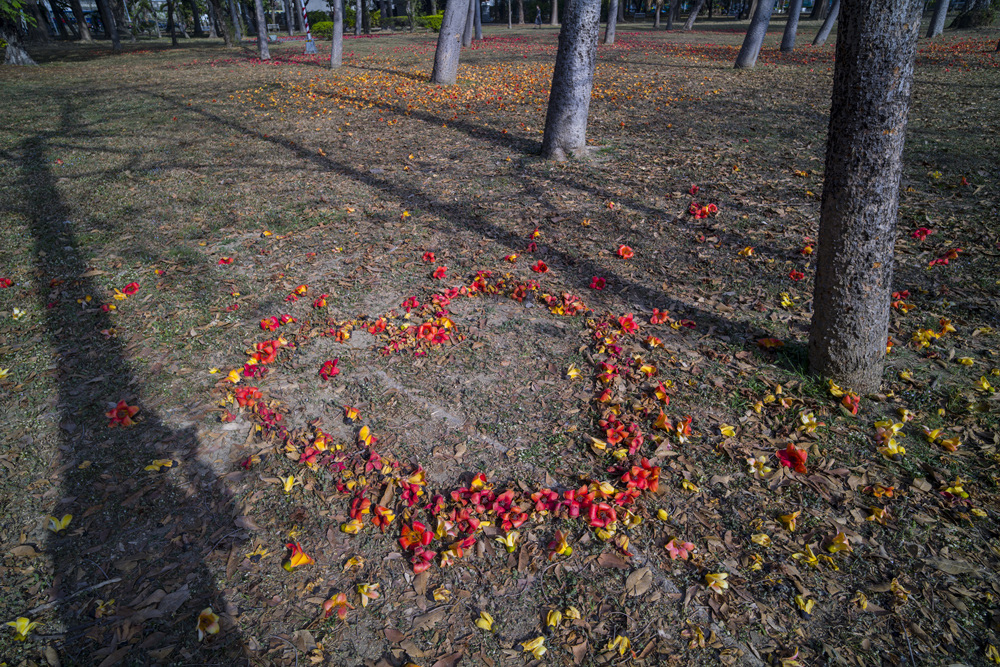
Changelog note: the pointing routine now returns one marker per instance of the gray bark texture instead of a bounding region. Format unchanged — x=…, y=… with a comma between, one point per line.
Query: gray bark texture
x=81, y=23
x=298, y=16
x=265, y=54
x=225, y=25
x=791, y=26
x=289, y=17
x=572, y=81
x=609, y=29
x=693, y=16
x=449, y=45
x=554, y=18
x=937, y=21
x=337, y=46
x=469, y=24
x=478, y=12
x=357, y=18
x=657, y=6
x=876, y=45
x=828, y=24
x=110, y=30
x=755, y=34
x=819, y=10
x=520, y=12
x=10, y=32
x=237, y=24
x=977, y=13
x=510, y=14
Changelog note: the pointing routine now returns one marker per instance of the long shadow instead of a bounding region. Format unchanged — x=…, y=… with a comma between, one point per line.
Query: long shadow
x=138, y=538
x=578, y=270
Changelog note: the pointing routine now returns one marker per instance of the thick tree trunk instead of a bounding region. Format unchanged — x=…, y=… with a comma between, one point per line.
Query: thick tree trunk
x=755, y=35
x=876, y=45
x=299, y=24
x=937, y=21
x=289, y=18
x=37, y=32
x=366, y=19
x=337, y=47
x=171, y=23
x=819, y=10
x=572, y=81
x=109, y=26
x=478, y=12
x=658, y=6
x=59, y=20
x=609, y=29
x=827, y=26
x=81, y=22
x=693, y=16
x=520, y=12
x=15, y=53
x=791, y=26
x=469, y=23
x=554, y=19
x=449, y=45
x=265, y=54
x=357, y=18
x=225, y=25
x=977, y=13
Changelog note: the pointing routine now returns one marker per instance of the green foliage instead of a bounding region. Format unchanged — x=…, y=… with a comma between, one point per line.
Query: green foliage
x=432, y=21
x=323, y=30
x=13, y=10
x=317, y=17
x=349, y=18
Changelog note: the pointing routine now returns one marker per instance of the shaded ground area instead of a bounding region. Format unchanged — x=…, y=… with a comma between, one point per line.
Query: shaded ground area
x=169, y=203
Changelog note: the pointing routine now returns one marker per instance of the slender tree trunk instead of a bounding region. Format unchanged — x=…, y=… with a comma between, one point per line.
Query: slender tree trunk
x=171, y=23
x=212, y=20
x=265, y=54
x=357, y=18
x=554, y=19
x=609, y=29
x=38, y=32
x=225, y=25
x=409, y=13
x=658, y=5
x=755, y=35
x=693, y=16
x=876, y=45
x=289, y=19
x=59, y=20
x=81, y=21
x=109, y=26
x=237, y=23
x=510, y=14
x=621, y=11
x=827, y=26
x=195, y=18
x=366, y=17
x=299, y=24
x=449, y=44
x=937, y=21
x=469, y=21
x=819, y=7
x=520, y=12
x=791, y=26
x=478, y=10
x=337, y=47
x=710, y=5
x=572, y=81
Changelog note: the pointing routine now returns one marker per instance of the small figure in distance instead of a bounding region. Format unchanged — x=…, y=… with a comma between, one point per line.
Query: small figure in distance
x=538, y=17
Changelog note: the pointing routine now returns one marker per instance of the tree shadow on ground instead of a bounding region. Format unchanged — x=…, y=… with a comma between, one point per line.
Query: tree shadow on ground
x=139, y=537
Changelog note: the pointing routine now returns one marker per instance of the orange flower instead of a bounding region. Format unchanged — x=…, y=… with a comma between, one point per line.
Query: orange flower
x=625, y=252
x=121, y=414
x=439, y=272
x=297, y=558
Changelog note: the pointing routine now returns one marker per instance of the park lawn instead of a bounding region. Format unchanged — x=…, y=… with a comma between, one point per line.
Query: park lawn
x=232, y=191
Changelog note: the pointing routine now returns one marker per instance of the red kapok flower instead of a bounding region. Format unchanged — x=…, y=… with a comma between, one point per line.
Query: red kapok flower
x=297, y=557
x=597, y=283
x=921, y=233
x=694, y=190
x=5, y=283
x=625, y=252
x=439, y=272
x=793, y=458
x=225, y=260
x=796, y=275
x=329, y=369
x=428, y=256
x=540, y=267
x=121, y=414
x=131, y=288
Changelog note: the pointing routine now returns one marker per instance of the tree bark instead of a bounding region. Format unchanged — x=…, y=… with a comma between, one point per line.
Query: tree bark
x=693, y=16
x=10, y=32
x=366, y=19
x=791, y=26
x=520, y=12
x=300, y=25
x=478, y=13
x=977, y=13
x=109, y=26
x=657, y=6
x=195, y=18
x=337, y=47
x=225, y=26
x=755, y=35
x=449, y=45
x=265, y=54
x=357, y=18
x=554, y=19
x=609, y=29
x=81, y=21
x=937, y=21
x=237, y=23
x=819, y=10
x=289, y=18
x=876, y=45
x=171, y=23
x=510, y=14
x=469, y=21
x=59, y=20
x=572, y=81
x=827, y=26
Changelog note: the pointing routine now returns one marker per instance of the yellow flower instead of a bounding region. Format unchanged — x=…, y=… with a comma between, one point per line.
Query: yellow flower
x=966, y=361
x=158, y=464
x=717, y=581
x=786, y=301
x=509, y=541
x=58, y=525
x=892, y=450
x=839, y=543
x=758, y=466
x=234, y=376
x=484, y=622
x=288, y=482
x=808, y=422
x=620, y=644
x=352, y=527
x=354, y=562
x=367, y=592
x=861, y=600
x=982, y=384
x=788, y=520
x=762, y=539
x=572, y=613
x=688, y=486
x=22, y=626
x=807, y=557
x=662, y=515
x=17, y=313
x=835, y=390
x=992, y=654
x=536, y=647
x=208, y=623
x=746, y=252
x=572, y=372
x=4, y=372
x=441, y=594
x=258, y=554
x=805, y=605
x=727, y=430
x=553, y=618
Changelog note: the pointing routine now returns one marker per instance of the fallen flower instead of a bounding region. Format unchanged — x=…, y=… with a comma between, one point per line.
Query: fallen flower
x=439, y=272
x=625, y=252
x=58, y=525
x=22, y=626
x=540, y=267
x=793, y=458
x=717, y=582
x=208, y=623
x=678, y=549
x=598, y=283
x=329, y=369
x=788, y=520
x=484, y=622
x=121, y=414
x=368, y=592
x=338, y=602
x=297, y=557
x=620, y=644
x=536, y=647
x=553, y=618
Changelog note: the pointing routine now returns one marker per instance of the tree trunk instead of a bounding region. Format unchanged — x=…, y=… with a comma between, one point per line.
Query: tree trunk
x=409, y=13
x=225, y=26
x=510, y=14
x=791, y=26
x=237, y=23
x=171, y=23
x=365, y=17
x=10, y=32
x=195, y=18
x=357, y=18
x=81, y=22
x=755, y=35
x=59, y=20
x=937, y=22
x=449, y=45
x=657, y=6
x=520, y=12
x=337, y=47
x=876, y=45
x=109, y=26
x=827, y=26
x=469, y=21
x=299, y=23
x=289, y=19
x=478, y=9
x=621, y=11
x=609, y=30
x=693, y=16
x=572, y=81
x=977, y=14
x=37, y=31
x=212, y=20
x=554, y=19
x=819, y=10
x=265, y=54
x=710, y=3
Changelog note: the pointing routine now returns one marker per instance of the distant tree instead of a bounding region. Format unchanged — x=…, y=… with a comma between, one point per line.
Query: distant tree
x=827, y=26
x=110, y=29
x=819, y=10
x=470, y=22
x=876, y=45
x=81, y=22
x=572, y=81
x=449, y=45
x=478, y=20
x=554, y=18
x=791, y=26
x=337, y=45
x=693, y=15
x=265, y=54
x=609, y=29
x=755, y=35
x=937, y=21
x=658, y=7
x=977, y=13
